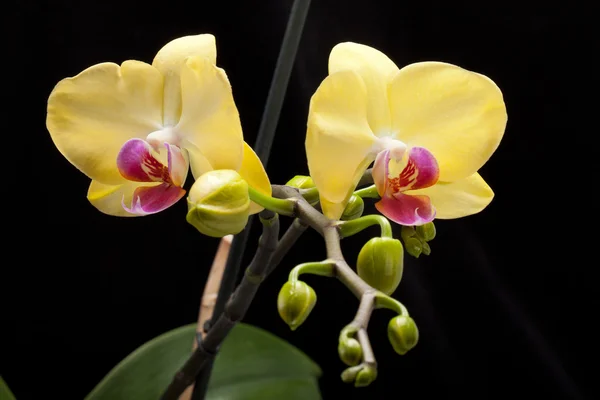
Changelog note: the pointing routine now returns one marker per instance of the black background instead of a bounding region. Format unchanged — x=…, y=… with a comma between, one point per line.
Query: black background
x=503, y=301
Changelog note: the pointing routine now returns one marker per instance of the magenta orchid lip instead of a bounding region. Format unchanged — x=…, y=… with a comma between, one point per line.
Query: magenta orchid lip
x=420, y=171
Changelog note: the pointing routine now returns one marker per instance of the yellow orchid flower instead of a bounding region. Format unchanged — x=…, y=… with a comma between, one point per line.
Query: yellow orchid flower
x=429, y=126
x=135, y=129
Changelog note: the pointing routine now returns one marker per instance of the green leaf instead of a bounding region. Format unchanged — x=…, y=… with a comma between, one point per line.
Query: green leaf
x=5, y=393
x=251, y=365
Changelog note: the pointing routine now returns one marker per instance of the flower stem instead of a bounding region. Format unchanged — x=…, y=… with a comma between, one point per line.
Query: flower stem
x=349, y=228
x=279, y=206
x=311, y=195
x=384, y=301
x=234, y=310
x=322, y=268
x=368, y=192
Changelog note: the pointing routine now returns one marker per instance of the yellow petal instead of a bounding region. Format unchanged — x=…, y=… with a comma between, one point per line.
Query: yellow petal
x=210, y=123
x=169, y=61
x=456, y=114
x=376, y=70
x=254, y=173
x=108, y=198
x=91, y=115
x=460, y=198
x=338, y=139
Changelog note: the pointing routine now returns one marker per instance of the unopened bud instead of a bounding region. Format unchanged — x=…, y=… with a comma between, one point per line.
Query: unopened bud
x=350, y=351
x=365, y=377
x=403, y=334
x=295, y=302
x=381, y=263
x=426, y=231
x=426, y=249
x=301, y=182
x=354, y=208
x=218, y=203
x=361, y=375
x=413, y=246
x=407, y=232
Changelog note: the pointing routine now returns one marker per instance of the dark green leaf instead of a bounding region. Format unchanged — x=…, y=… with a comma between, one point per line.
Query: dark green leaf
x=5, y=393
x=252, y=365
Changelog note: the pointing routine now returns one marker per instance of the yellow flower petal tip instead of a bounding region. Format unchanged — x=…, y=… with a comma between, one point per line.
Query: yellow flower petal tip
x=254, y=173
x=172, y=55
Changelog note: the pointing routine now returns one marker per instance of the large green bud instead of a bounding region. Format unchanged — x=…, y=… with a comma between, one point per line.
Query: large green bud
x=403, y=334
x=381, y=263
x=295, y=302
x=218, y=203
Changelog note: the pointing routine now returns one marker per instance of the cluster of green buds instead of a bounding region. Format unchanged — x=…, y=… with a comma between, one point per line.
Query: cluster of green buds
x=416, y=238
x=380, y=264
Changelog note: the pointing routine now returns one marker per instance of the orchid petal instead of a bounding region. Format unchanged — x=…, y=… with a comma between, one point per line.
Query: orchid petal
x=458, y=199
x=91, y=115
x=108, y=199
x=253, y=172
x=376, y=71
x=456, y=114
x=210, y=124
x=380, y=171
x=150, y=200
x=338, y=139
x=169, y=61
x=405, y=209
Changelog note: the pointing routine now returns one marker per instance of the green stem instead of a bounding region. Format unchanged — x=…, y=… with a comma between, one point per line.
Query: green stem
x=368, y=192
x=311, y=195
x=384, y=301
x=322, y=268
x=349, y=228
x=279, y=206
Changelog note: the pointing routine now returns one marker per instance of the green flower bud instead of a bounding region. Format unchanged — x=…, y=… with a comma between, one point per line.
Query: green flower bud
x=295, y=302
x=301, y=182
x=403, y=334
x=361, y=375
x=365, y=376
x=354, y=208
x=427, y=231
x=381, y=263
x=350, y=351
x=414, y=246
x=218, y=203
x=407, y=232
x=426, y=248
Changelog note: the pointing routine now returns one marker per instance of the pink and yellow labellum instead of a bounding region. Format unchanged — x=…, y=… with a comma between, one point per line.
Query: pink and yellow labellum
x=138, y=161
x=417, y=169
x=136, y=129
x=442, y=121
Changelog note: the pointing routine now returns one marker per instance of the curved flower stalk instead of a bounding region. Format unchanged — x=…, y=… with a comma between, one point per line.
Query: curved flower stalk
x=429, y=126
x=136, y=129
